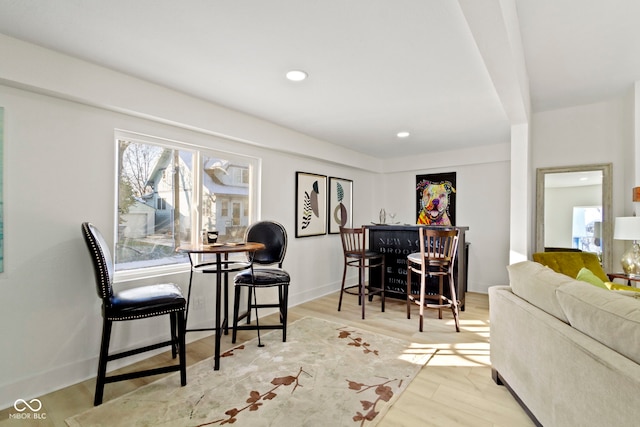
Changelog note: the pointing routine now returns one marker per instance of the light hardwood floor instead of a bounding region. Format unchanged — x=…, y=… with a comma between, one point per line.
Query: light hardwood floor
x=454, y=389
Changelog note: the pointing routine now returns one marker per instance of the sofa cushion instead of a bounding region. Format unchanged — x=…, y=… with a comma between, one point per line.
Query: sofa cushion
x=537, y=284
x=608, y=317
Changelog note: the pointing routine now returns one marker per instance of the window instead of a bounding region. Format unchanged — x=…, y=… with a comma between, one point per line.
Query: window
x=587, y=228
x=169, y=192
x=162, y=204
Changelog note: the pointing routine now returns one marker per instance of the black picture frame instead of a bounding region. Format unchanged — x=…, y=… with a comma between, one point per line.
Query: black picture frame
x=436, y=186
x=340, y=207
x=311, y=204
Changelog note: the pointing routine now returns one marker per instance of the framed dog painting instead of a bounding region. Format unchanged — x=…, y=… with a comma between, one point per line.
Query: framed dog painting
x=436, y=198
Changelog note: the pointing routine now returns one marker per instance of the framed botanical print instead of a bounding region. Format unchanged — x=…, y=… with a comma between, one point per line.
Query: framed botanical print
x=311, y=204
x=340, y=204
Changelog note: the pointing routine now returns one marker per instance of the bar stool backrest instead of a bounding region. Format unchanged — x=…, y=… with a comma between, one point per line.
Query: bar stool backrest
x=438, y=246
x=101, y=259
x=274, y=236
x=353, y=241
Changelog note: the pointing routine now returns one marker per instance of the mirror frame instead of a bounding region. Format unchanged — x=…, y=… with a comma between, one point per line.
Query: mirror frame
x=607, y=218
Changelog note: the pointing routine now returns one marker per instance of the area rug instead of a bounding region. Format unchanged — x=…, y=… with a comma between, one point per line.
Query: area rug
x=326, y=374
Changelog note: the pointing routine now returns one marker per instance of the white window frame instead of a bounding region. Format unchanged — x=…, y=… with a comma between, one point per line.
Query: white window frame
x=254, y=163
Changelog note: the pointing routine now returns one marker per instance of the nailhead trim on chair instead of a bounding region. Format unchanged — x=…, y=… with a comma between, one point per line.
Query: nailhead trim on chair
x=101, y=264
x=140, y=316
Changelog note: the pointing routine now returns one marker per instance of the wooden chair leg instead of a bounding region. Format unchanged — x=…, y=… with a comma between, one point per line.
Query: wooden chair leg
x=250, y=304
x=408, y=291
x=422, y=298
x=102, y=362
x=440, y=299
x=360, y=284
x=454, y=302
x=174, y=333
x=344, y=275
x=182, y=346
x=363, y=290
x=236, y=309
x=382, y=284
x=284, y=304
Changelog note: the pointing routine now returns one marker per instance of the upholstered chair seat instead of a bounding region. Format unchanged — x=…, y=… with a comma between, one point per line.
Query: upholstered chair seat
x=263, y=277
x=144, y=301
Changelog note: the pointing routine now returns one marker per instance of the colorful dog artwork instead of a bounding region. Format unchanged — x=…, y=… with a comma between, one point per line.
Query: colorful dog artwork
x=434, y=202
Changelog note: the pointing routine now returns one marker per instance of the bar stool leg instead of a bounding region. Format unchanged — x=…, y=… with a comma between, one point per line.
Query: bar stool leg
x=363, y=289
x=408, y=291
x=422, y=292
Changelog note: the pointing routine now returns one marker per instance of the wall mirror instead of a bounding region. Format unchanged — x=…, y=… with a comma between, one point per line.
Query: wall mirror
x=573, y=209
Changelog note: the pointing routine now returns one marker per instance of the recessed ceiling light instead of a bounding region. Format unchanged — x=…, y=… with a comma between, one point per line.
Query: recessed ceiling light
x=296, y=75
x=403, y=134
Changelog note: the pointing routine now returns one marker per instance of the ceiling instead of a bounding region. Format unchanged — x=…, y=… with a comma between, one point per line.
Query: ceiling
x=375, y=67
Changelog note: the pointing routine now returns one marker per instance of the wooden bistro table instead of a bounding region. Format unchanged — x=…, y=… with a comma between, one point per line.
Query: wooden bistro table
x=219, y=249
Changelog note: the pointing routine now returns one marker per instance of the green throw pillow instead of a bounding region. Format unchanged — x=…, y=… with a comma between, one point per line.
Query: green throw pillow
x=586, y=275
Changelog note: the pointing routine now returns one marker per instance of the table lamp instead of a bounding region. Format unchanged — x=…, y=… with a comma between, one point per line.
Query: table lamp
x=628, y=228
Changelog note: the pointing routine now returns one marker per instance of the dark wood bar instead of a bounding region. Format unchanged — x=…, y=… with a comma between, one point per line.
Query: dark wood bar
x=398, y=241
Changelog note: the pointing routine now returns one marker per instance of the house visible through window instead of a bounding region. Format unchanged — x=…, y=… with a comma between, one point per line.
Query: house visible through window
x=169, y=192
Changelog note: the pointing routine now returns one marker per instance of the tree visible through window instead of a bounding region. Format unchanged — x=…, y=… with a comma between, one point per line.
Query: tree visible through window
x=158, y=208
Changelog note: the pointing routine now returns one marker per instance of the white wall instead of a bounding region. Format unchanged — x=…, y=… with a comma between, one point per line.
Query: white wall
x=596, y=133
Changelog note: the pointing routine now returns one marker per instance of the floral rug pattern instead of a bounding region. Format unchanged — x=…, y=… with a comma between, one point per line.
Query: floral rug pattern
x=325, y=374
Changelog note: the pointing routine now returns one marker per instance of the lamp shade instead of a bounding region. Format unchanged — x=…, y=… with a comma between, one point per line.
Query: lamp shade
x=627, y=228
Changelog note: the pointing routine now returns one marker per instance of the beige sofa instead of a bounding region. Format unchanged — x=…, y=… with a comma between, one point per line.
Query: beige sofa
x=569, y=351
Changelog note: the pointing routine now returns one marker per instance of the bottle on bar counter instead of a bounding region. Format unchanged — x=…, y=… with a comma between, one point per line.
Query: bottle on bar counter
x=383, y=216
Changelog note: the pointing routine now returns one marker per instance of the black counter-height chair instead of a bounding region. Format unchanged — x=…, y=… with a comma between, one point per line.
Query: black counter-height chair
x=356, y=254
x=263, y=273
x=132, y=304
x=438, y=250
